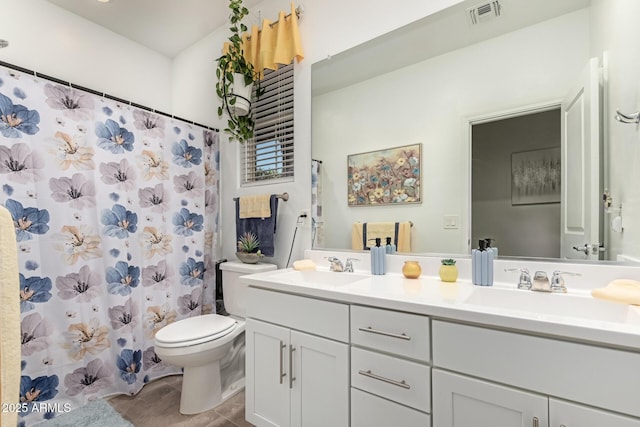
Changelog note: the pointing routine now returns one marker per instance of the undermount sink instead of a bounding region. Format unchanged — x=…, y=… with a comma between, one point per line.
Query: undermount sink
x=552, y=304
x=319, y=277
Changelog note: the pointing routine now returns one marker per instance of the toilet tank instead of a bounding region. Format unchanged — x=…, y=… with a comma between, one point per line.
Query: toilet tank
x=233, y=291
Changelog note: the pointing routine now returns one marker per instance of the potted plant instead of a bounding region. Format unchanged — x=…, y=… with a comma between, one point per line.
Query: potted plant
x=236, y=77
x=448, y=270
x=249, y=248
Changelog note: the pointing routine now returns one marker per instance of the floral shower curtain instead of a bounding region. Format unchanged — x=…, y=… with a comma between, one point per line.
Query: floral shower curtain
x=115, y=210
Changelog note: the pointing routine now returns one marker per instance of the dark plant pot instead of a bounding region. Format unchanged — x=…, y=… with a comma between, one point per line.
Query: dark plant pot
x=249, y=258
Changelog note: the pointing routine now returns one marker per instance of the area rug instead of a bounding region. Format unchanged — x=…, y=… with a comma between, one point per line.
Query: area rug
x=97, y=413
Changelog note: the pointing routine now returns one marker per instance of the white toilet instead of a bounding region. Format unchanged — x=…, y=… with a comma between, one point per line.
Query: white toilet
x=211, y=347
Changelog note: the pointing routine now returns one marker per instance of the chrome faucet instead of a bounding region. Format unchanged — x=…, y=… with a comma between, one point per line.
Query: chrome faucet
x=349, y=265
x=524, y=282
x=541, y=282
x=337, y=266
x=557, y=281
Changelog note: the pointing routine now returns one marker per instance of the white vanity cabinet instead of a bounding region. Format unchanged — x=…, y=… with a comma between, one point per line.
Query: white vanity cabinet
x=512, y=379
x=567, y=414
x=460, y=401
x=390, y=372
x=297, y=361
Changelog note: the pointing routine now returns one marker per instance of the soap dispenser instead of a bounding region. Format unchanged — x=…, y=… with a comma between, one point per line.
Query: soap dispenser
x=491, y=247
x=390, y=248
x=476, y=263
x=489, y=266
x=378, y=258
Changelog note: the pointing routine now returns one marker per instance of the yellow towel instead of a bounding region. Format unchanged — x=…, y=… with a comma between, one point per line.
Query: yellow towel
x=404, y=237
x=623, y=291
x=10, y=319
x=382, y=230
x=255, y=206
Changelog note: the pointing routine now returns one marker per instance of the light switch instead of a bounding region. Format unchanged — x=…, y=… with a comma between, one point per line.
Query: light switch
x=451, y=222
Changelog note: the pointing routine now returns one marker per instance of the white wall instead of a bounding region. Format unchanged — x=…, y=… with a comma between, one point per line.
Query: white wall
x=615, y=23
x=194, y=97
x=48, y=39
x=428, y=103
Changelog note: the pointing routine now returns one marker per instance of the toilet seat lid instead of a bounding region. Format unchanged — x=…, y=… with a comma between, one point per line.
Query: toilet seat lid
x=202, y=328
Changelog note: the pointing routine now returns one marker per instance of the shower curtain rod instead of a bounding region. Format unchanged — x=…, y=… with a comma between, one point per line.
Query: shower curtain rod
x=299, y=11
x=98, y=93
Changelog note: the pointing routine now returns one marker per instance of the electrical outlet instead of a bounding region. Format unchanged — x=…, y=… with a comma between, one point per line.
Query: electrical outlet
x=304, y=218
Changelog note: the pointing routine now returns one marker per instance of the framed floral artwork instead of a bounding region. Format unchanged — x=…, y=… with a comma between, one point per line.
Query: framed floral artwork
x=385, y=177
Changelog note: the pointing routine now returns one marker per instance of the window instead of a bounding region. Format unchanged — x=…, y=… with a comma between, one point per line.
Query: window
x=269, y=155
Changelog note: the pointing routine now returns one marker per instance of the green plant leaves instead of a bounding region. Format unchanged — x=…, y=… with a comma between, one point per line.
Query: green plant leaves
x=239, y=128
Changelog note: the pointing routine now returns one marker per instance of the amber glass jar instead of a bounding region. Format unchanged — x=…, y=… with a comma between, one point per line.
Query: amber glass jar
x=411, y=269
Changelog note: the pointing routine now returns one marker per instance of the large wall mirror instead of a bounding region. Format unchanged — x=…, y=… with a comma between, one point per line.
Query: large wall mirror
x=482, y=99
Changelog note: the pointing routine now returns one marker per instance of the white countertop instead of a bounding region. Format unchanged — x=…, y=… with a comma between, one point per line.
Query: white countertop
x=429, y=296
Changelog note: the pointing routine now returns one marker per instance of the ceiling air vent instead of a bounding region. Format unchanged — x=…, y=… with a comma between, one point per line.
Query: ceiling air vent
x=484, y=11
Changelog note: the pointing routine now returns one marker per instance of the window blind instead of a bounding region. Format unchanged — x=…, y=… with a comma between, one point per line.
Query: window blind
x=269, y=155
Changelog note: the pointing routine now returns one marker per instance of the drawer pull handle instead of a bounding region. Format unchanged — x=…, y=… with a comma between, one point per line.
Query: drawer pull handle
x=282, y=373
x=369, y=329
x=536, y=422
x=384, y=379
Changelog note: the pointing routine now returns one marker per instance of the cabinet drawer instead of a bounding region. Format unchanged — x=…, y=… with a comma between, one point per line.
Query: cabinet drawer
x=569, y=414
x=390, y=377
x=391, y=331
x=318, y=317
x=598, y=376
x=368, y=410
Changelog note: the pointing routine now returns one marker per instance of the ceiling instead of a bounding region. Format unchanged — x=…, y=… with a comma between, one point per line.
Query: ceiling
x=165, y=26
x=428, y=37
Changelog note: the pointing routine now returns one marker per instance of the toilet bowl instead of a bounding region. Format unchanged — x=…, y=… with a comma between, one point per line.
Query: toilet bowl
x=206, y=346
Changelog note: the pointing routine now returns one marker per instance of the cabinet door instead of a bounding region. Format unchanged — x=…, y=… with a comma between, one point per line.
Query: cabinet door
x=267, y=375
x=460, y=401
x=320, y=383
x=565, y=414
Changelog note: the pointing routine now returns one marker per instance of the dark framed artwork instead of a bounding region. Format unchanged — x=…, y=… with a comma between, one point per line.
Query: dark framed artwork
x=535, y=176
x=385, y=177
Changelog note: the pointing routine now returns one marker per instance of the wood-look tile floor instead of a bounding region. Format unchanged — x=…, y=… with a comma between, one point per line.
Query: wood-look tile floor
x=158, y=403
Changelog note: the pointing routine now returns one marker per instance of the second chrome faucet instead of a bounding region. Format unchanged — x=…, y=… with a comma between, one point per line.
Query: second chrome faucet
x=337, y=266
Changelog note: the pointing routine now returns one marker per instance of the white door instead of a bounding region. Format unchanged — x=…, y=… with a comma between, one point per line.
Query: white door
x=320, y=382
x=267, y=374
x=460, y=401
x=581, y=186
x=566, y=414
